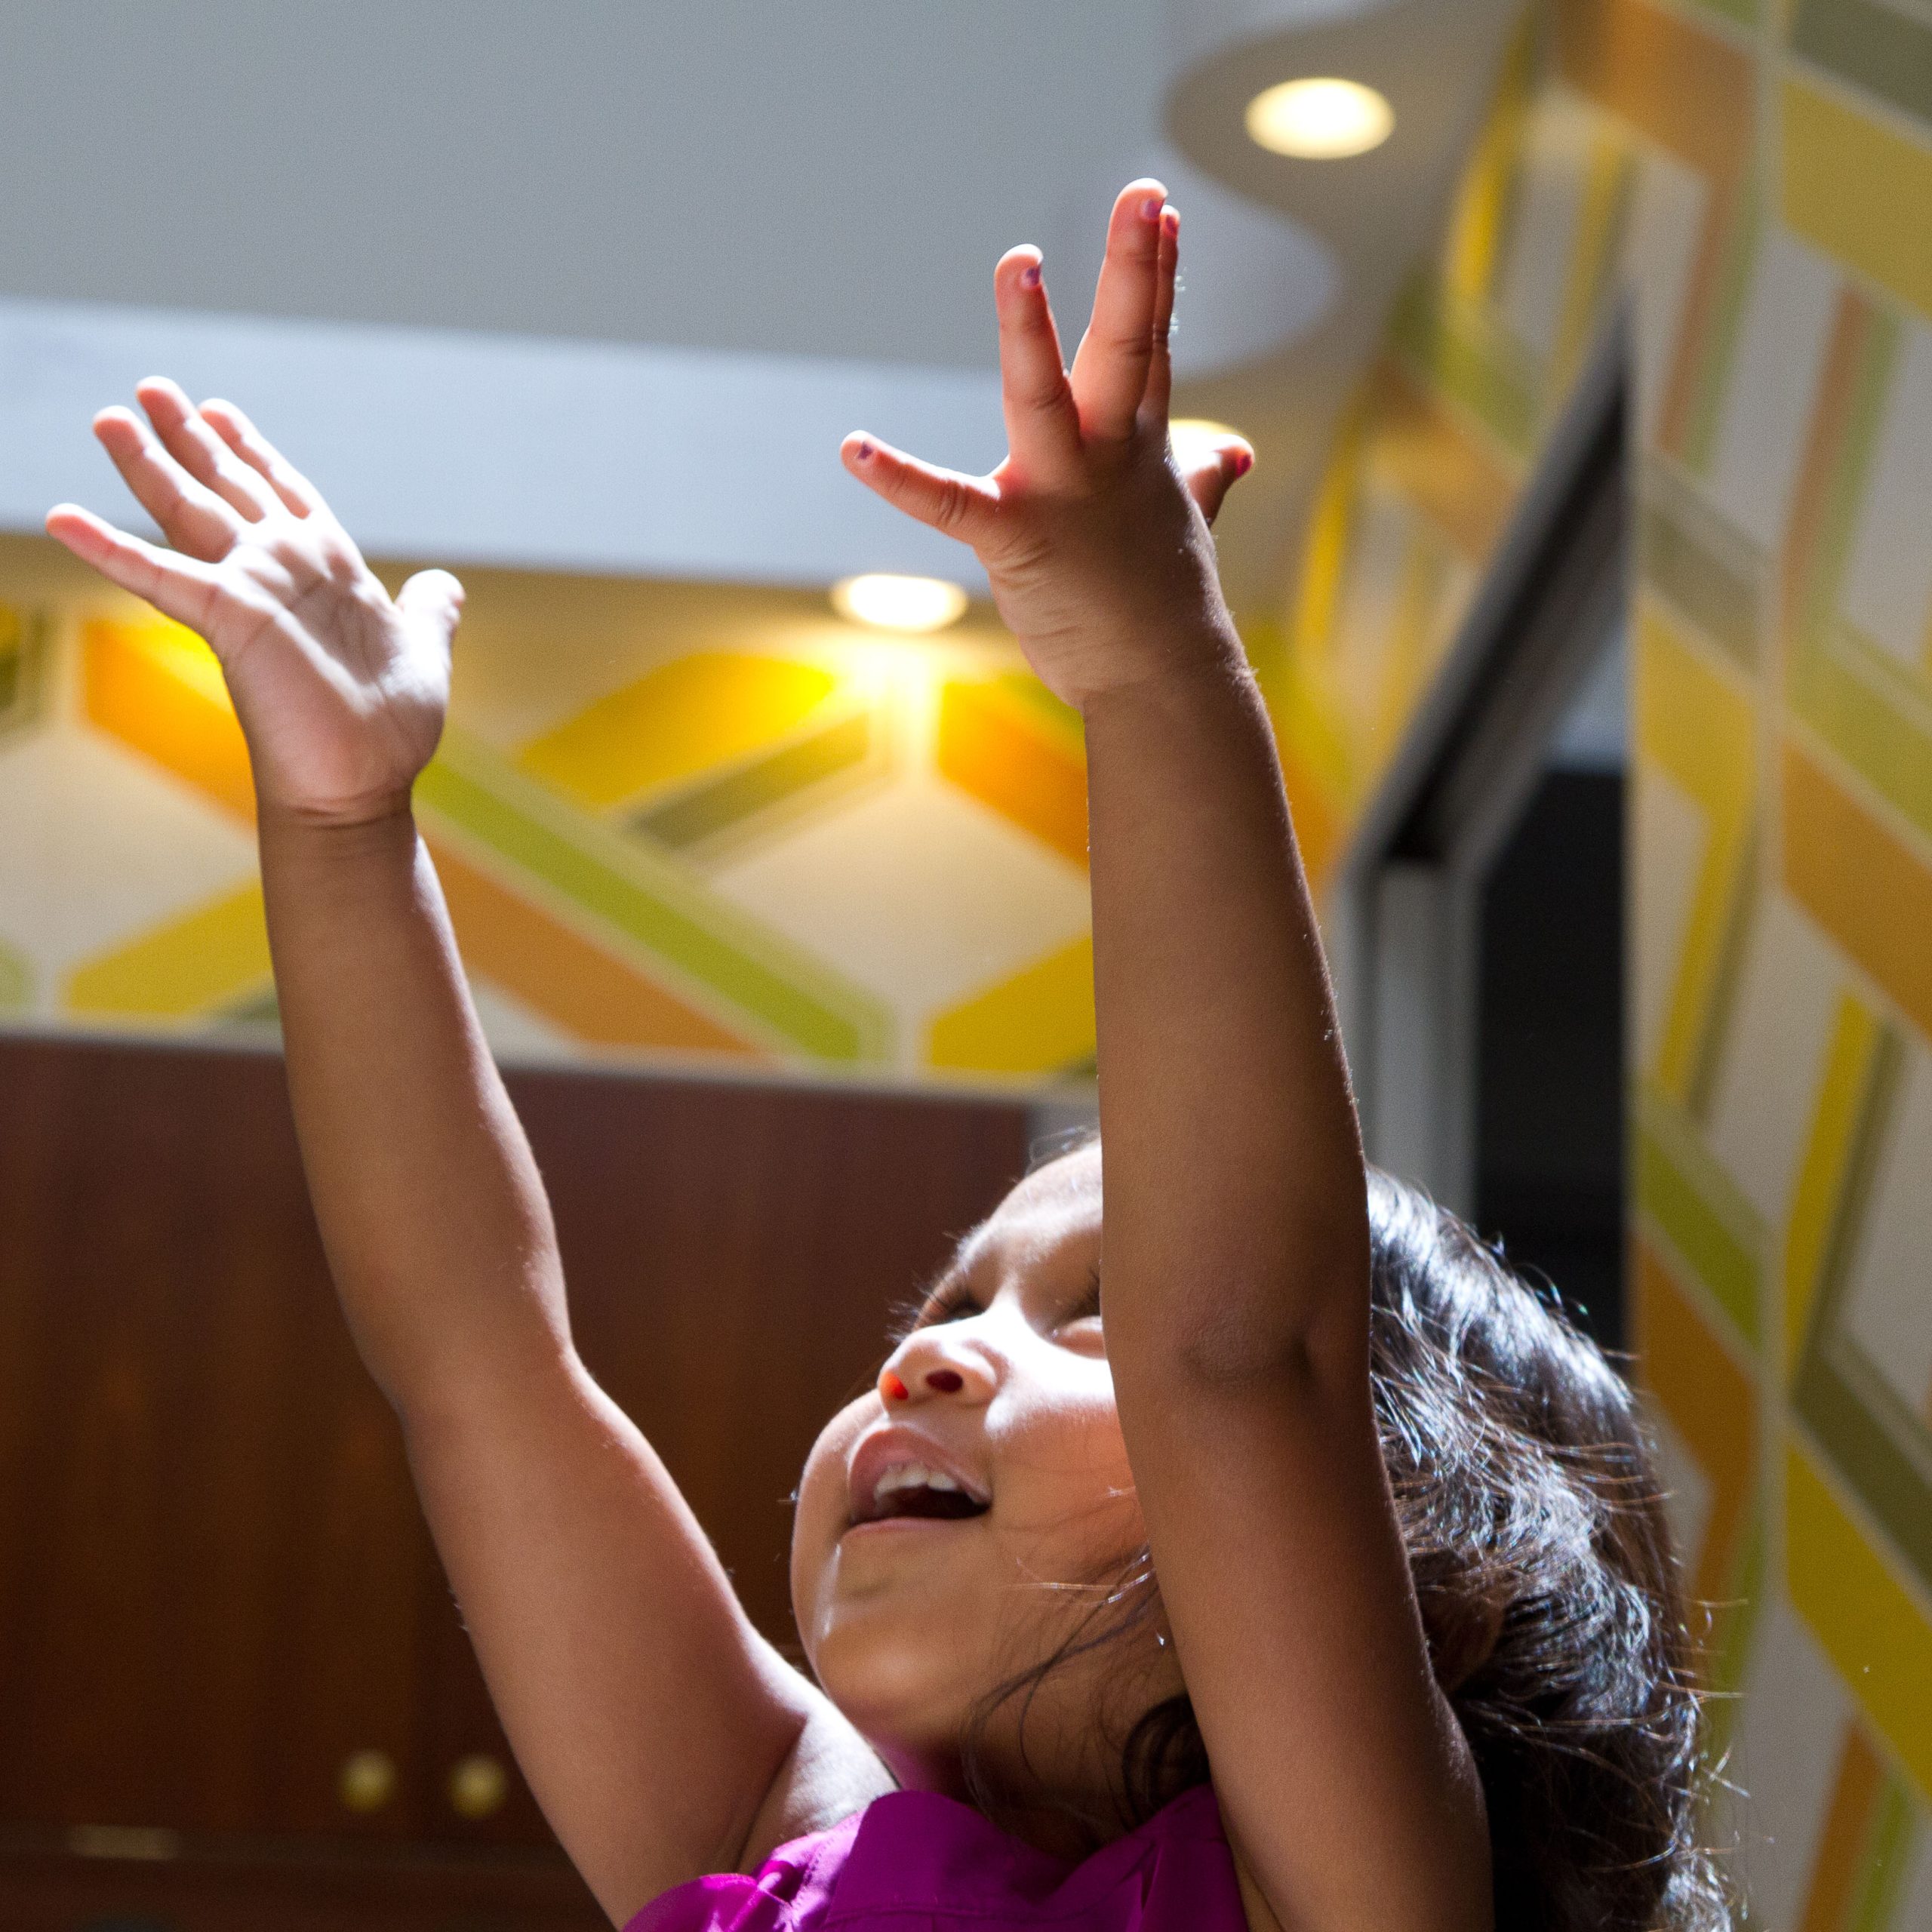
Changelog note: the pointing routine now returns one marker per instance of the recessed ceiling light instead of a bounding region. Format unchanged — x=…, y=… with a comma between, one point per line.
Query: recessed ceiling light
x=1192, y=435
x=900, y=603
x=1319, y=120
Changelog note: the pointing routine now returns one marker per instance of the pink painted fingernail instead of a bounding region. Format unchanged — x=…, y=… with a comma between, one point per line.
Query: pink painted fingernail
x=1029, y=276
x=1243, y=462
x=1152, y=207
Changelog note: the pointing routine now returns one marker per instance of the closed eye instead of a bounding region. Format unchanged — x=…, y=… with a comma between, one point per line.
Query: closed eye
x=952, y=1303
x=1087, y=1307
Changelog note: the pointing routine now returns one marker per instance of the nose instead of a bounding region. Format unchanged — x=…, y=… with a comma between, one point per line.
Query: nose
x=928, y=1364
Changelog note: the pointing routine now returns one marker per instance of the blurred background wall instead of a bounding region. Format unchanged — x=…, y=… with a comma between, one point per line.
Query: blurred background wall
x=692, y=820
x=1751, y=188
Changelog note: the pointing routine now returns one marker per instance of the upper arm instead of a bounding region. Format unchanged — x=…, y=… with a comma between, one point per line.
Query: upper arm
x=654, y=1723
x=1347, y=1786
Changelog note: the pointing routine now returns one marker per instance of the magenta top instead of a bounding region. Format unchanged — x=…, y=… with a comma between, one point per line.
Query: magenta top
x=914, y=1862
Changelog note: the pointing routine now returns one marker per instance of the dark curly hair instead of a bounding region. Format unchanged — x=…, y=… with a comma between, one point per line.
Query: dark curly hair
x=1537, y=1540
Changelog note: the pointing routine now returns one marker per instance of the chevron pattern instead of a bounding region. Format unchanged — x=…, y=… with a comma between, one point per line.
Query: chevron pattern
x=1756, y=181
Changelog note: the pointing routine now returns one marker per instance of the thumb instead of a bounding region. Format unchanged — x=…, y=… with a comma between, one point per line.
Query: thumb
x=1210, y=478
x=432, y=599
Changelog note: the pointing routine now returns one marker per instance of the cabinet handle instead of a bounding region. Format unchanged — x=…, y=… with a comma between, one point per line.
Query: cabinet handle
x=478, y=1785
x=367, y=1780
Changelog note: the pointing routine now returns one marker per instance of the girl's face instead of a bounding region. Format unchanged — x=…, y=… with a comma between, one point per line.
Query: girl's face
x=950, y=1536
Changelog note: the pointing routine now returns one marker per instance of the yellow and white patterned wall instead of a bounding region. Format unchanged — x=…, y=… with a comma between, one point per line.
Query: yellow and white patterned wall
x=1755, y=178
x=678, y=824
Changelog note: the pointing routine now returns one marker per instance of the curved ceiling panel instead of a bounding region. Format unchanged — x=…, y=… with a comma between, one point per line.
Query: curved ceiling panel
x=1197, y=28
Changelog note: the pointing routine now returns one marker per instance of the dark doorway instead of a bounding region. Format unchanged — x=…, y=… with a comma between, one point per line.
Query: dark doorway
x=1549, y=1046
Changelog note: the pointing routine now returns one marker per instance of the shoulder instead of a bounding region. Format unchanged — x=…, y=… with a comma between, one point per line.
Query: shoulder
x=917, y=1852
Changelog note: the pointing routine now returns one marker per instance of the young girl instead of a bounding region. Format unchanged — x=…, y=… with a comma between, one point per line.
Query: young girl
x=1264, y=1555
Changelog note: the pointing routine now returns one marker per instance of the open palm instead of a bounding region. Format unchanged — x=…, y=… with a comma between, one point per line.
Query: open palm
x=340, y=689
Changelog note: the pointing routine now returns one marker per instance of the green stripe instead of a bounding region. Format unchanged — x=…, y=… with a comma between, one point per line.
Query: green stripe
x=23, y=661
x=1736, y=1629
x=1875, y=47
x=1686, y=563
x=650, y=903
x=1701, y=1214
x=1461, y=351
x=1715, y=355
x=716, y=806
x=1818, y=599
x=1062, y=722
x=1840, y=692
x=1878, y=1444
x=1741, y=13
x=1859, y=1419
x=15, y=981
x=1888, y=1850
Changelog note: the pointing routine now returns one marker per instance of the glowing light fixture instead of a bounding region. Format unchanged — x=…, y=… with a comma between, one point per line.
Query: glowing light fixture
x=1319, y=119
x=912, y=603
x=1194, y=436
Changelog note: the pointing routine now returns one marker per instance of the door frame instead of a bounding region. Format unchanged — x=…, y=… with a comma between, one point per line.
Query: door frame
x=1405, y=914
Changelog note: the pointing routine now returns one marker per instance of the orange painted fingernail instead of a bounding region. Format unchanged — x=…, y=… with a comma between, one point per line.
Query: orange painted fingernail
x=895, y=1390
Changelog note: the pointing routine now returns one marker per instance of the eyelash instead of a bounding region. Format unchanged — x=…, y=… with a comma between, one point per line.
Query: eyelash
x=957, y=1304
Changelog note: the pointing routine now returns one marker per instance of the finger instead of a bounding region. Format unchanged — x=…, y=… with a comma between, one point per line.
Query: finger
x=1210, y=479
x=960, y=505
x=432, y=599
x=200, y=451
x=1160, y=361
x=179, y=587
x=1110, y=372
x=192, y=517
x=1042, y=426
x=298, y=494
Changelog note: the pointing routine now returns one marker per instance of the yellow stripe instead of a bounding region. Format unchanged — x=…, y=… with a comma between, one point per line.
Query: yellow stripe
x=1878, y=1638
x=1325, y=555
x=1821, y=1173
x=1482, y=203
x=1039, y=1021
x=1859, y=191
x=1606, y=181
x=1697, y=726
x=685, y=718
x=210, y=957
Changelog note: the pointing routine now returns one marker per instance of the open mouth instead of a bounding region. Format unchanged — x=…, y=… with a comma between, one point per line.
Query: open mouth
x=914, y=1490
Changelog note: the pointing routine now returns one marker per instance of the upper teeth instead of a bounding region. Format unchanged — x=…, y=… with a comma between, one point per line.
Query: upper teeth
x=912, y=1475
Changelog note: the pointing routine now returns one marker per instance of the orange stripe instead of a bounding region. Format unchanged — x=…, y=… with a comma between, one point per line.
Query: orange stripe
x=1860, y=881
x=187, y=726
x=985, y=749
x=1711, y=1403
x=1693, y=329
x=581, y=987
x=1841, y=1844
x=1687, y=90
x=1830, y=418
x=1445, y=473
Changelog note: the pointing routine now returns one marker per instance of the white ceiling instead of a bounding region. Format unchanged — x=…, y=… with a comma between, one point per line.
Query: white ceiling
x=751, y=176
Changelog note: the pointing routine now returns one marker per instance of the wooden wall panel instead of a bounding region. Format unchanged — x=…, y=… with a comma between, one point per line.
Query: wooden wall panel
x=214, y=1583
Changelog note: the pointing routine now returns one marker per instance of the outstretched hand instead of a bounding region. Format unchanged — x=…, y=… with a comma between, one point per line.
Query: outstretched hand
x=340, y=689
x=1096, y=543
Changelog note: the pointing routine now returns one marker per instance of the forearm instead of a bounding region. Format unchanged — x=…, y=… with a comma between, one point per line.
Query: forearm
x=1236, y=1223
x=430, y=1206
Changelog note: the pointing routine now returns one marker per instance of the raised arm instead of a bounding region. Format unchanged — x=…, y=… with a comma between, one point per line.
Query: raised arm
x=1235, y=1240
x=650, y=1719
